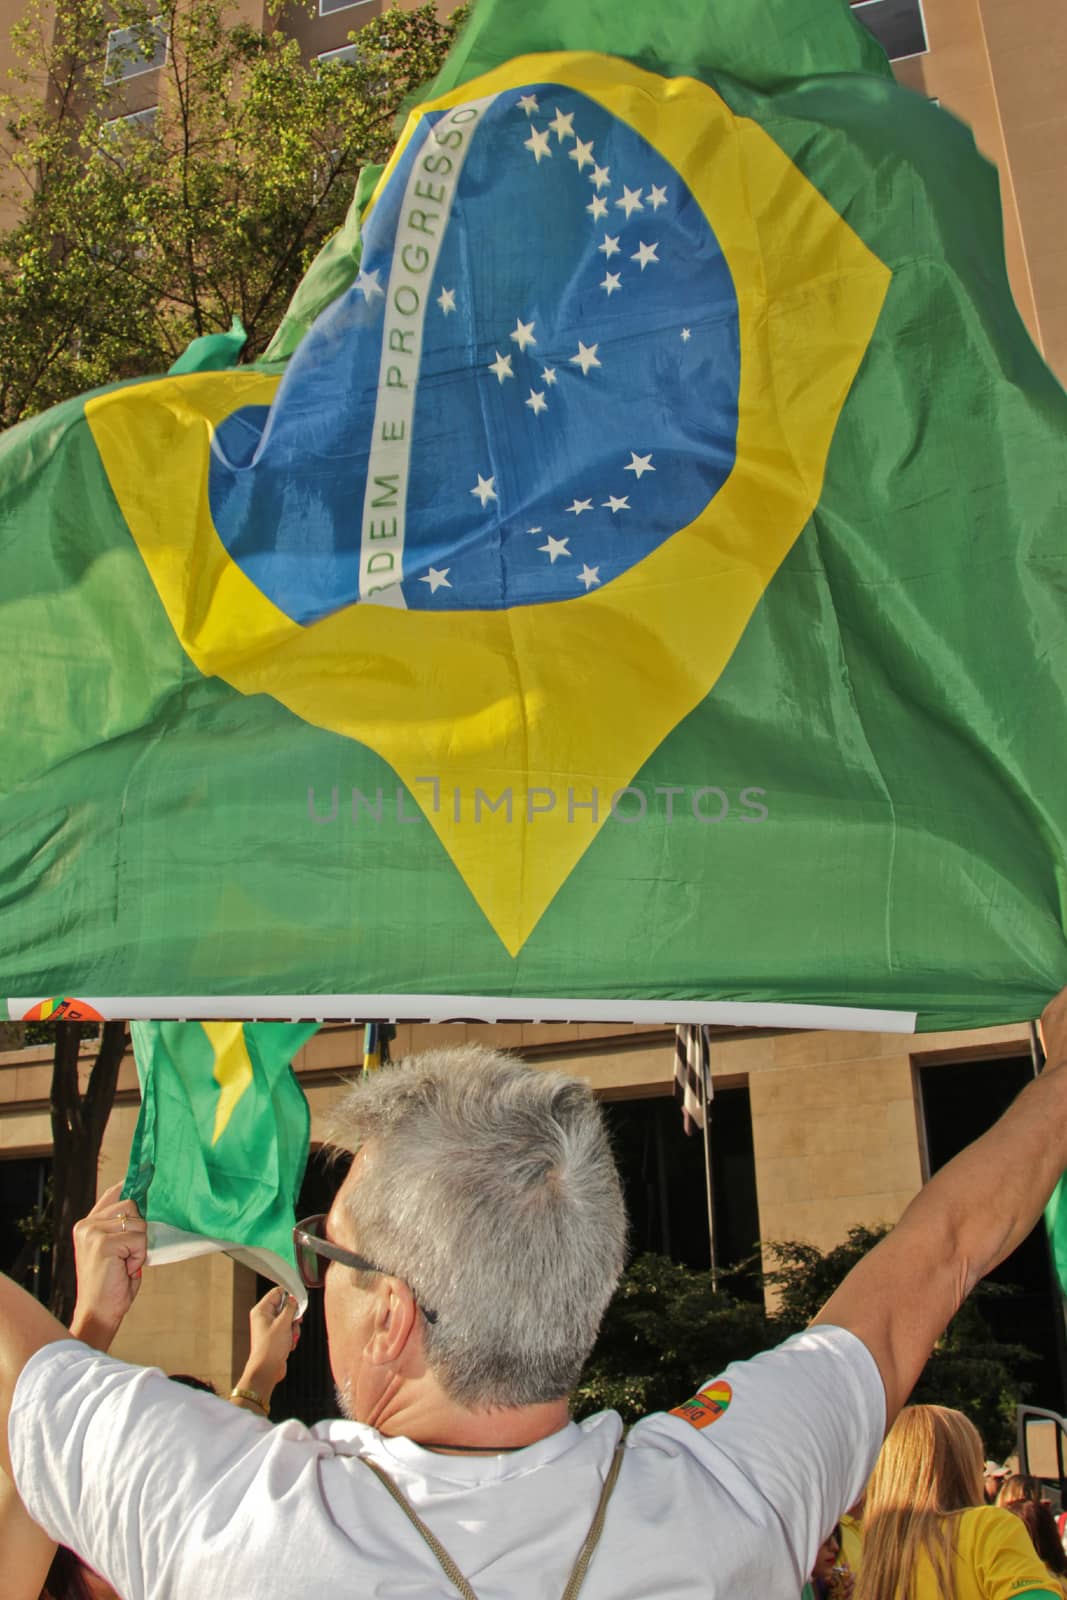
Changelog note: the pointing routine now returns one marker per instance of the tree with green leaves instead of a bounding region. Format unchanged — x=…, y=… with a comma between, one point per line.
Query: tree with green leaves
x=82, y=1095
x=969, y=1369
x=665, y=1332
x=141, y=231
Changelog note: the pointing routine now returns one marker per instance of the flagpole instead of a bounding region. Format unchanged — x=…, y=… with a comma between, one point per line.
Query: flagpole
x=704, y=1070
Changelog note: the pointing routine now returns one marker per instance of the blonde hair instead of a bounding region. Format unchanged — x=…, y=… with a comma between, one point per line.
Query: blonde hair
x=928, y=1471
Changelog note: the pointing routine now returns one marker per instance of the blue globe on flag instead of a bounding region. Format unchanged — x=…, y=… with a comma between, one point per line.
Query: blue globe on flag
x=532, y=384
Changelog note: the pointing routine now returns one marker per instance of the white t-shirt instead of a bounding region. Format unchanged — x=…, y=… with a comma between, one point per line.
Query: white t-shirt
x=176, y=1495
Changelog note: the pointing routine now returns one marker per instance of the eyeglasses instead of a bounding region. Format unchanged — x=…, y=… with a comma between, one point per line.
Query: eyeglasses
x=314, y=1252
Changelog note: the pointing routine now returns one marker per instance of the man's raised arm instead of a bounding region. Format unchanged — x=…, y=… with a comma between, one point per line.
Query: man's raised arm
x=901, y=1296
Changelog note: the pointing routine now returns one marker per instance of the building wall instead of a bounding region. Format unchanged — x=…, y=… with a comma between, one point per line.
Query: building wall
x=957, y=71
x=11, y=12
x=1027, y=47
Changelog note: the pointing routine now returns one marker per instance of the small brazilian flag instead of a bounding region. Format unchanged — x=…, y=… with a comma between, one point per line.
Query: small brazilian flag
x=221, y=1142
x=635, y=580
x=1056, y=1227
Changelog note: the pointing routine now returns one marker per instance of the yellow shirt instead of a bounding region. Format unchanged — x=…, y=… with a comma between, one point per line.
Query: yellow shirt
x=851, y=1542
x=994, y=1560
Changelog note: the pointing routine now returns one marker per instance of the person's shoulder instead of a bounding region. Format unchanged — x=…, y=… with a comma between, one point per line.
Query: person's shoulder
x=985, y=1518
x=822, y=1355
x=988, y=1530
x=63, y=1360
x=987, y=1522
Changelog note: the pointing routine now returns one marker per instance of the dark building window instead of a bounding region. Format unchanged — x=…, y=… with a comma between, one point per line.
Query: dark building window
x=327, y=7
x=960, y=1101
x=663, y=1176
x=131, y=51
x=117, y=128
x=22, y=1194
x=896, y=24
x=346, y=56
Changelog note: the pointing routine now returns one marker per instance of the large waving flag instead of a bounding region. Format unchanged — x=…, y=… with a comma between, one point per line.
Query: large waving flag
x=638, y=592
x=221, y=1142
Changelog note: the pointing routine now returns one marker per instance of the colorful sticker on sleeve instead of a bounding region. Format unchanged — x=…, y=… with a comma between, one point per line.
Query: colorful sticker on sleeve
x=706, y=1405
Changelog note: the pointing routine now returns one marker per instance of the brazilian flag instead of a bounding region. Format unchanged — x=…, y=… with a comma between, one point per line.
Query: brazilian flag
x=633, y=586
x=221, y=1142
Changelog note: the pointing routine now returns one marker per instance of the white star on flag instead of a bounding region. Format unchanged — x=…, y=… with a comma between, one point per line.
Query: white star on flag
x=484, y=490
x=616, y=502
x=639, y=465
x=548, y=375
x=686, y=335
x=657, y=197
x=502, y=367
x=528, y=102
x=554, y=548
x=586, y=357
x=597, y=208
x=437, y=579
x=582, y=153
x=579, y=506
x=537, y=144
x=644, y=254
x=563, y=126
x=631, y=201
x=600, y=177
x=610, y=246
x=368, y=285
x=611, y=283
x=589, y=575
x=537, y=402
x=523, y=333
x=447, y=300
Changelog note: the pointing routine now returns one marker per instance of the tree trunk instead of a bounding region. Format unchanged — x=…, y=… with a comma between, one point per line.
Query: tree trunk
x=78, y=1123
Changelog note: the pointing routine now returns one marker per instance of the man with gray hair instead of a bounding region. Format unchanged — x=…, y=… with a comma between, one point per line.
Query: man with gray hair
x=466, y=1262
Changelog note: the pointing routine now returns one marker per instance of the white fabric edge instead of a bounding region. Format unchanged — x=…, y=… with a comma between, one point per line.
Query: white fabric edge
x=167, y=1244
x=487, y=1008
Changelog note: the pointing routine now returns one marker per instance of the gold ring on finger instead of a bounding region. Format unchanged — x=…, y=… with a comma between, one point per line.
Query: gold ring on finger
x=122, y=1220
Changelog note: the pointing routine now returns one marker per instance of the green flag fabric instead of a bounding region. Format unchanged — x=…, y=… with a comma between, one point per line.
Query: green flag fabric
x=221, y=1142
x=213, y=352
x=1056, y=1227
x=633, y=588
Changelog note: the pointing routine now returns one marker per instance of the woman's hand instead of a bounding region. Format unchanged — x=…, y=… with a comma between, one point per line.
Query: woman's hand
x=273, y=1338
x=110, y=1246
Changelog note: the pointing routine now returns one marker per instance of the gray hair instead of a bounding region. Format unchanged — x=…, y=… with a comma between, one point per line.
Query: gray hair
x=493, y=1192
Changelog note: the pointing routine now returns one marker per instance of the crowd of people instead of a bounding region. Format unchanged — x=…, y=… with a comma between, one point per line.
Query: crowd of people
x=465, y=1264
x=936, y=1521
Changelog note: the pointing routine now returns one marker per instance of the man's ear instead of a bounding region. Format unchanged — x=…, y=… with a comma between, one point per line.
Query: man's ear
x=395, y=1315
